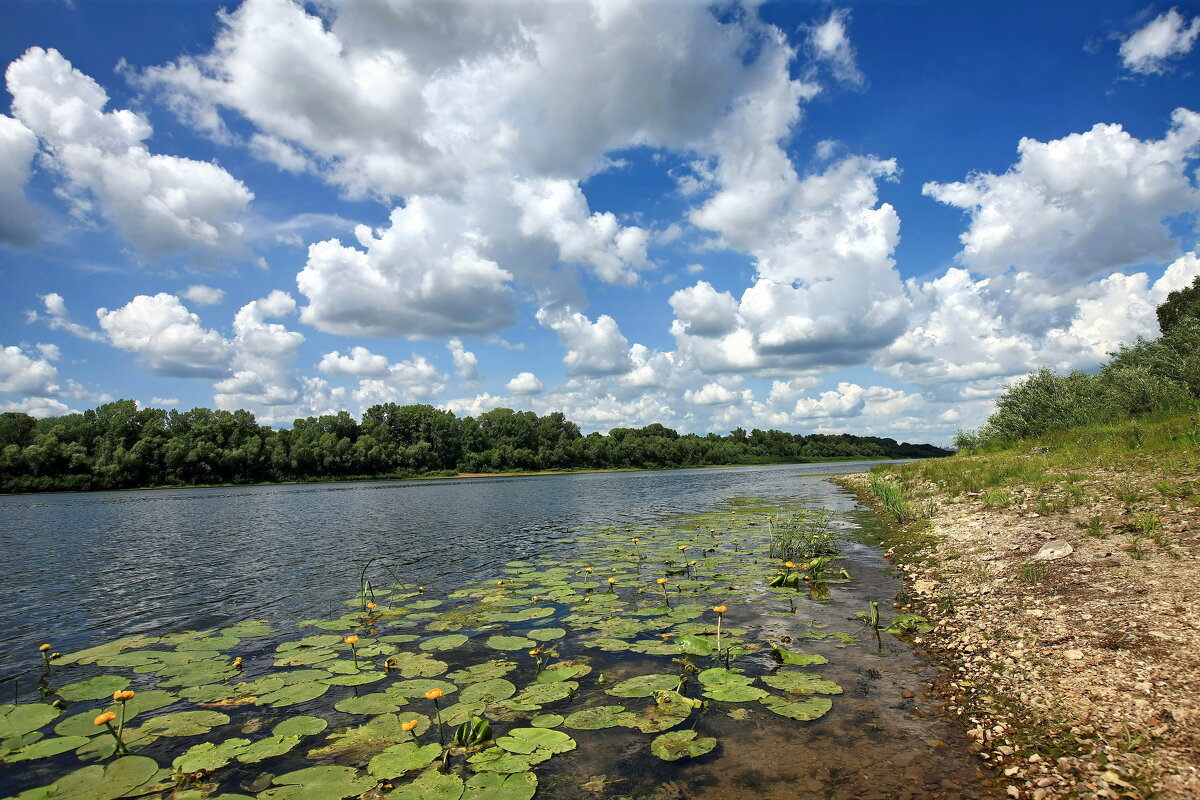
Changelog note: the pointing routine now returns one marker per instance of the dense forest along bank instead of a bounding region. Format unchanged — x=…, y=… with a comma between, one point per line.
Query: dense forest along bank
x=1061, y=576
x=649, y=635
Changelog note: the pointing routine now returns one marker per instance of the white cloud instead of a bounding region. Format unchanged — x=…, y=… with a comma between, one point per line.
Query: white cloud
x=1167, y=36
x=50, y=352
x=593, y=348
x=357, y=361
x=716, y=394
x=423, y=276
x=279, y=153
x=162, y=204
x=168, y=339
x=164, y=402
x=703, y=311
x=58, y=318
x=829, y=42
x=524, y=383
x=409, y=381
x=1081, y=206
x=22, y=374
x=18, y=146
x=263, y=374
x=203, y=295
x=466, y=363
x=40, y=407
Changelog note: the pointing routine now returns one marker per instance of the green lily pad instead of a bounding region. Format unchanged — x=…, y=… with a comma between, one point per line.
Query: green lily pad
x=370, y=737
x=416, y=688
x=540, y=694
x=555, y=674
x=496, y=759
x=489, y=691
x=269, y=747
x=502, y=642
x=546, y=634
x=730, y=687
x=448, y=642
x=318, y=783
x=546, y=721
x=248, y=629
x=119, y=779
x=785, y=656
x=681, y=744
x=293, y=694
x=375, y=703
x=403, y=757
x=694, y=645
x=643, y=685
x=496, y=668
x=210, y=643
x=184, y=723
x=430, y=785
x=802, y=683
x=495, y=786
x=419, y=665
x=300, y=725
x=669, y=709
x=305, y=657
x=806, y=709
x=45, y=748
x=357, y=678
x=597, y=718
x=209, y=755
x=19, y=720
x=94, y=688
x=316, y=640
x=526, y=740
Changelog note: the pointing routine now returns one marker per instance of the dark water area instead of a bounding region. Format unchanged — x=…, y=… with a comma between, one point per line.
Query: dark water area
x=85, y=569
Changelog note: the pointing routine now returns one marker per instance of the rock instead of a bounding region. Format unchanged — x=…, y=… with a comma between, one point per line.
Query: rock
x=1054, y=550
x=1073, y=655
x=924, y=586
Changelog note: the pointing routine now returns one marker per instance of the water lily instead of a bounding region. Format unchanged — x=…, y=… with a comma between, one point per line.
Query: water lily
x=352, y=640
x=720, y=616
x=410, y=726
x=106, y=719
x=663, y=583
x=46, y=657
x=434, y=694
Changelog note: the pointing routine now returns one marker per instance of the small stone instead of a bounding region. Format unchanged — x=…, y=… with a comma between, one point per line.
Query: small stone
x=1054, y=550
x=1073, y=655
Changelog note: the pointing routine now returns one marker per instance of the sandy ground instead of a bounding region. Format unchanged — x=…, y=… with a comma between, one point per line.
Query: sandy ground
x=1076, y=675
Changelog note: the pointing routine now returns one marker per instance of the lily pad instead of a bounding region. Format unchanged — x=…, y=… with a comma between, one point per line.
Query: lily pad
x=416, y=688
x=681, y=744
x=403, y=757
x=370, y=737
x=527, y=740
x=210, y=756
x=448, y=642
x=730, y=687
x=184, y=723
x=803, y=710
x=496, y=668
x=546, y=634
x=489, y=691
x=540, y=694
x=94, y=688
x=785, y=656
x=802, y=683
x=669, y=709
x=546, y=721
x=319, y=783
x=300, y=725
x=502, y=642
x=643, y=685
x=496, y=759
x=119, y=779
x=19, y=720
x=430, y=785
x=357, y=678
x=694, y=645
x=45, y=748
x=419, y=665
x=597, y=718
x=294, y=693
x=270, y=747
x=494, y=786
x=375, y=703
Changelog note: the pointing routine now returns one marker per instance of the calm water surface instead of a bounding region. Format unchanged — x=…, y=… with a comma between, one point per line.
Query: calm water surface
x=87, y=568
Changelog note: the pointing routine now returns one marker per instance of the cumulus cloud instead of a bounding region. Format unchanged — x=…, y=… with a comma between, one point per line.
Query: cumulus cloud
x=167, y=337
x=829, y=42
x=23, y=374
x=40, y=407
x=524, y=383
x=593, y=348
x=357, y=361
x=161, y=204
x=18, y=218
x=203, y=295
x=263, y=353
x=716, y=394
x=1079, y=207
x=58, y=318
x=466, y=363
x=703, y=311
x=1149, y=49
x=414, y=380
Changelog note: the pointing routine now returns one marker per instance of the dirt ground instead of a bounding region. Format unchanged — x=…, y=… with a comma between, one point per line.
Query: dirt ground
x=1076, y=672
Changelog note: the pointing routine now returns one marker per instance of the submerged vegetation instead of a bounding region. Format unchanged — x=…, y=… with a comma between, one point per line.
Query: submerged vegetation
x=119, y=445
x=412, y=693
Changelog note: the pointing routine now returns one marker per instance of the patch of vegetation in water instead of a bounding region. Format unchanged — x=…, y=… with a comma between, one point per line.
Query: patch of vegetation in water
x=467, y=694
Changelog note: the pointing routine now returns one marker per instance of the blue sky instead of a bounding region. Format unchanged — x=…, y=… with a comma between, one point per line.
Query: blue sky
x=807, y=216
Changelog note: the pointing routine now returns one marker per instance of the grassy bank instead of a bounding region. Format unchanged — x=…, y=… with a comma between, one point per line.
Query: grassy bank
x=1061, y=573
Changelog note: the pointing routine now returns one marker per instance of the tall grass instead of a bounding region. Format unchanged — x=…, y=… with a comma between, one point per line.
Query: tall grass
x=891, y=494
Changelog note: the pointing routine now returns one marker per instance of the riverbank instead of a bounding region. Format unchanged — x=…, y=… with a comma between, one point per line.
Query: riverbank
x=1062, y=580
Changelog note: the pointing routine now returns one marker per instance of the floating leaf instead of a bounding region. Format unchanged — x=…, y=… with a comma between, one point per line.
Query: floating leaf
x=597, y=718
x=357, y=679
x=494, y=786
x=546, y=721
x=681, y=744
x=448, y=642
x=802, y=683
x=496, y=759
x=430, y=785
x=546, y=634
x=119, y=779
x=319, y=783
x=248, y=629
x=419, y=665
x=210, y=643
x=46, y=748
x=94, y=688
x=489, y=691
x=369, y=737
x=643, y=685
x=809, y=708
x=300, y=725
x=669, y=709
x=305, y=657
x=270, y=747
x=295, y=693
x=501, y=642
x=729, y=687
x=496, y=668
x=694, y=645
x=541, y=693
x=19, y=720
x=404, y=757
x=785, y=656
x=418, y=687
x=526, y=740
x=375, y=703
x=209, y=756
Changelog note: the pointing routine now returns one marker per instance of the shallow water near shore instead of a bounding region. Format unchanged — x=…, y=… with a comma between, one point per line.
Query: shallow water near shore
x=154, y=564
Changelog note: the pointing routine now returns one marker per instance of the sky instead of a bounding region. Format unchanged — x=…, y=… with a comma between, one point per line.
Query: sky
x=814, y=217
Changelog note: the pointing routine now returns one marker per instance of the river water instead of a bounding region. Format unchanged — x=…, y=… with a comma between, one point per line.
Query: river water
x=81, y=569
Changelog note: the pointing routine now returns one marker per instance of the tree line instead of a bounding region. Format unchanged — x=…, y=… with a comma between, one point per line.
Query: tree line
x=119, y=445
x=1148, y=377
